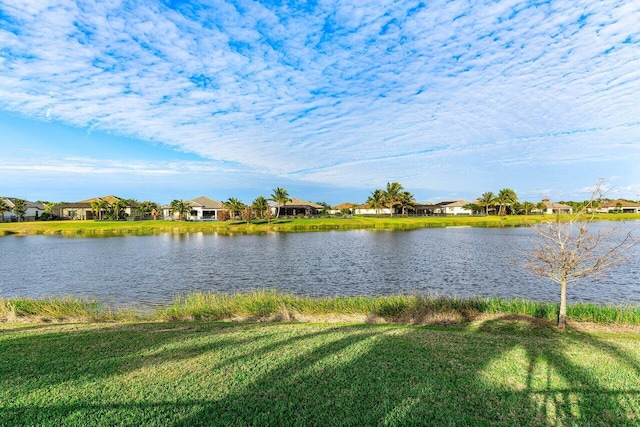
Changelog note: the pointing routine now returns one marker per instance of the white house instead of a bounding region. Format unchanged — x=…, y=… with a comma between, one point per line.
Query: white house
x=624, y=206
x=366, y=210
x=202, y=209
x=346, y=207
x=455, y=207
x=555, y=208
x=34, y=210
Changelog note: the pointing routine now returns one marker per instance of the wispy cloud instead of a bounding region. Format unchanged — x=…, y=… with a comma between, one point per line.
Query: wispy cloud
x=447, y=95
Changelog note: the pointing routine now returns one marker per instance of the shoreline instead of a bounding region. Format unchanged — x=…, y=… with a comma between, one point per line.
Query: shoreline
x=122, y=228
x=273, y=306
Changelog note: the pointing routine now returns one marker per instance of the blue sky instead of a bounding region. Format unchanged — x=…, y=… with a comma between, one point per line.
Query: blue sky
x=331, y=99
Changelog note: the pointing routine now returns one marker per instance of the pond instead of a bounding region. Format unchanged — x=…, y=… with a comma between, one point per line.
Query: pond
x=143, y=271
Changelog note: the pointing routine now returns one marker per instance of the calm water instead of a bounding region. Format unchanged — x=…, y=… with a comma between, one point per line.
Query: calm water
x=150, y=270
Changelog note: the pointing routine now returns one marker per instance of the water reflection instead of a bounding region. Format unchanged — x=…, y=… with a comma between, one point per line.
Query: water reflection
x=147, y=270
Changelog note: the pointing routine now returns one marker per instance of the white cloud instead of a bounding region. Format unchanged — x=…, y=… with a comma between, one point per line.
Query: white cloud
x=352, y=92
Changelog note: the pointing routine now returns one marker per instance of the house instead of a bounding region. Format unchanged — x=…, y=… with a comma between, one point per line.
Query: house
x=83, y=210
x=619, y=205
x=455, y=207
x=298, y=207
x=365, y=210
x=555, y=208
x=202, y=209
x=426, y=209
x=33, y=213
x=342, y=208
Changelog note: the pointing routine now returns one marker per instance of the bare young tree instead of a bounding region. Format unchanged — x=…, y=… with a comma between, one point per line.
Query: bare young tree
x=566, y=248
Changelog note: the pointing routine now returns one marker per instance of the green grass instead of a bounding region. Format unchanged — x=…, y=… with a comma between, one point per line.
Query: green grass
x=60, y=309
x=500, y=371
x=117, y=228
x=269, y=305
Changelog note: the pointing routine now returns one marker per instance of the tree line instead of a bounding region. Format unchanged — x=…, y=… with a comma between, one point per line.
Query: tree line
x=394, y=197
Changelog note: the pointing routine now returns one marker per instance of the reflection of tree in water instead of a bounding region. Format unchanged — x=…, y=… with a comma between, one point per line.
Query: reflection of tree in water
x=506, y=371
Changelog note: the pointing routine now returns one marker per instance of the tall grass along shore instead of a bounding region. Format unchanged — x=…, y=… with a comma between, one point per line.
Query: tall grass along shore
x=115, y=228
x=269, y=305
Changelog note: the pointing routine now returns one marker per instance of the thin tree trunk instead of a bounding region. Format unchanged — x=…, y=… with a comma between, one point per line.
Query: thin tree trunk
x=562, y=315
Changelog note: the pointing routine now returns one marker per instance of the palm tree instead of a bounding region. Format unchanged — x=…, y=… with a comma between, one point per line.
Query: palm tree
x=541, y=207
x=326, y=207
x=96, y=209
x=280, y=196
x=391, y=195
x=526, y=207
x=376, y=200
x=3, y=208
x=48, y=209
x=406, y=201
x=148, y=207
x=487, y=199
x=260, y=205
x=104, y=207
x=473, y=207
x=234, y=205
x=181, y=208
x=506, y=197
x=117, y=209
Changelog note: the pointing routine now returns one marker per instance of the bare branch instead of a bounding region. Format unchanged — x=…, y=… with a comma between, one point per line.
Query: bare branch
x=566, y=249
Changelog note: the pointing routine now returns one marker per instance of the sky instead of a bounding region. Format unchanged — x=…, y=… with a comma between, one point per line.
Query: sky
x=163, y=100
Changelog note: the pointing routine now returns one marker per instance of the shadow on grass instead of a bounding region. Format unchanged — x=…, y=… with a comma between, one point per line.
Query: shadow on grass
x=510, y=370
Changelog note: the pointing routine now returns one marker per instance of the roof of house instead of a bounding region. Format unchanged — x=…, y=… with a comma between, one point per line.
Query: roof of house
x=299, y=202
x=109, y=199
x=453, y=203
x=10, y=203
x=87, y=203
x=345, y=205
x=623, y=203
x=206, y=203
x=551, y=205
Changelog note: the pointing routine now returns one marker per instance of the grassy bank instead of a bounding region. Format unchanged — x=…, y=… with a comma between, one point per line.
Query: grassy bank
x=274, y=306
x=115, y=228
x=498, y=371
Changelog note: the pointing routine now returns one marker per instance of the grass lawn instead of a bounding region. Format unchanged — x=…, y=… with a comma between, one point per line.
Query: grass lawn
x=509, y=370
x=106, y=228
